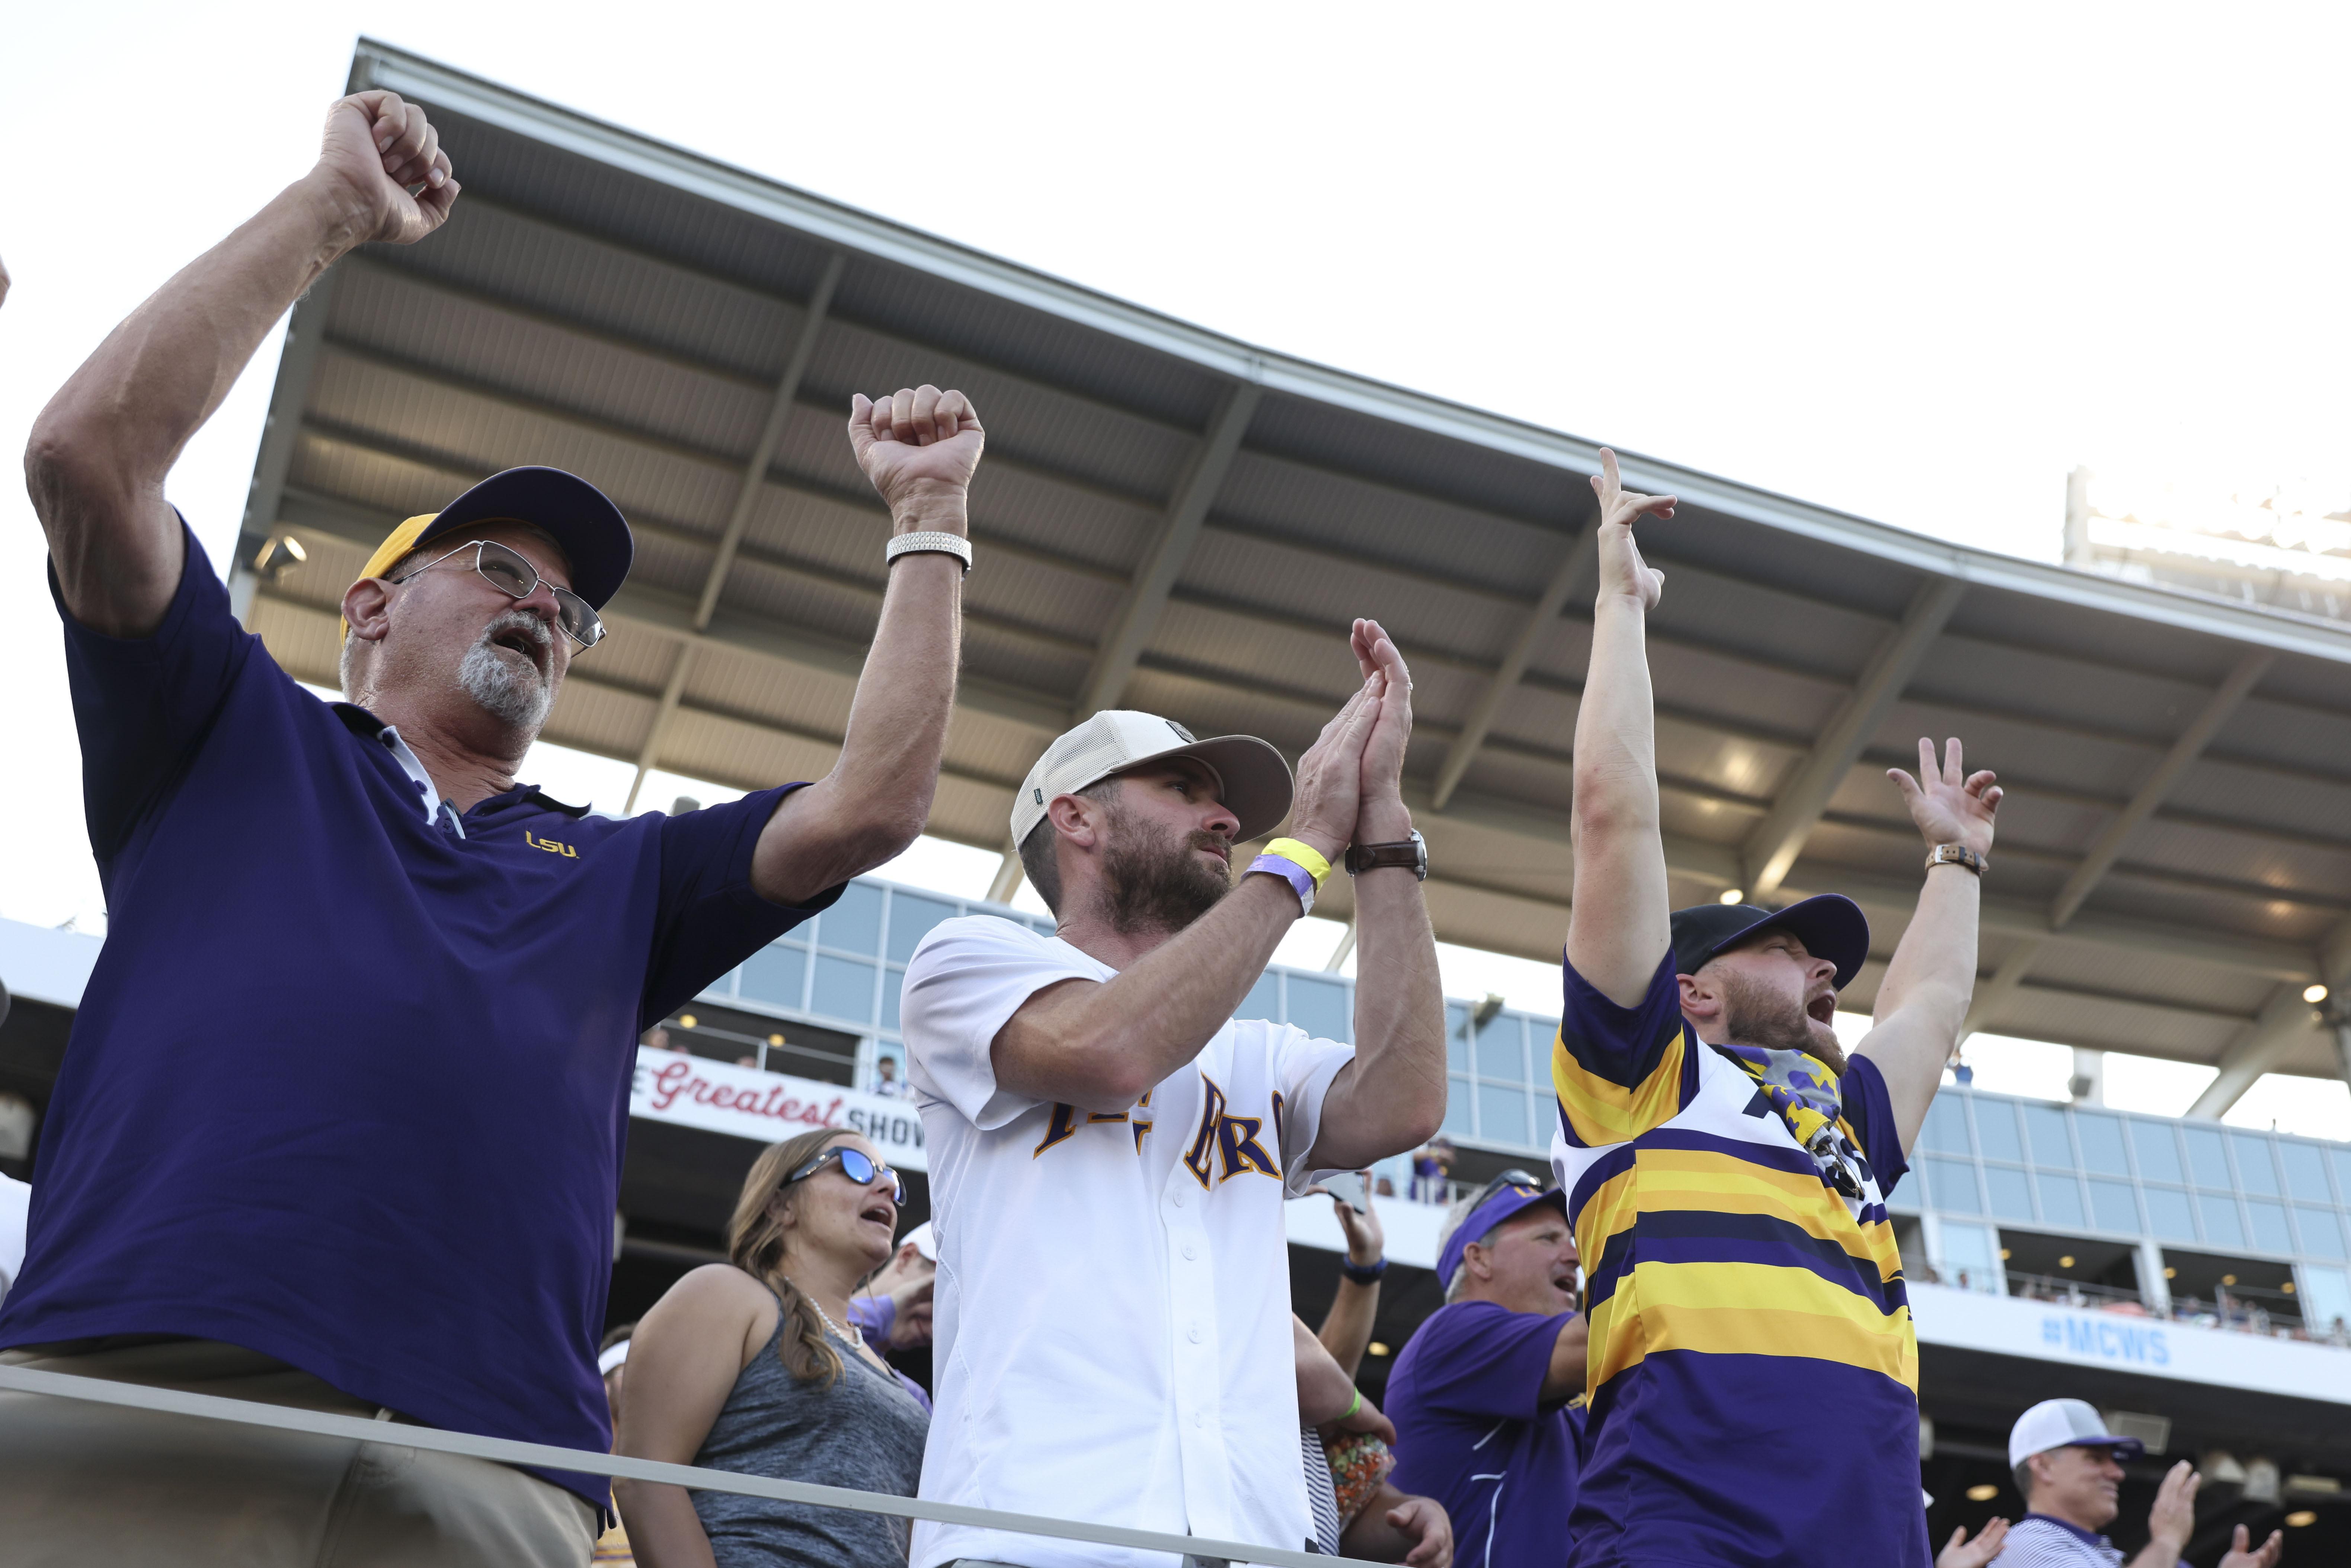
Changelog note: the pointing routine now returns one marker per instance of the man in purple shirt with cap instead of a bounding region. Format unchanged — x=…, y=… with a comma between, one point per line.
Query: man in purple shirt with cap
x=1484, y=1398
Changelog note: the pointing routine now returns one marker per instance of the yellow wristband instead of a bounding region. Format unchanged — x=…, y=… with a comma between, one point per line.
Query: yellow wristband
x=1303, y=854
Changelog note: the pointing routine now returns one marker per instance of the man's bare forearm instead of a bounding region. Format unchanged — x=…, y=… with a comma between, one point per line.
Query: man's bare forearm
x=1393, y=1098
x=99, y=451
x=877, y=799
x=1923, y=999
x=1102, y=1046
x=1346, y=1330
x=1618, y=923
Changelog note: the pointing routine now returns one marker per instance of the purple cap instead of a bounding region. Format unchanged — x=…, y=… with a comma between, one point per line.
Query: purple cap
x=1509, y=1195
x=579, y=517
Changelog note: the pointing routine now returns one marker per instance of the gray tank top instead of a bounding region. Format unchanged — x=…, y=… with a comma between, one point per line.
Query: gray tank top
x=863, y=1431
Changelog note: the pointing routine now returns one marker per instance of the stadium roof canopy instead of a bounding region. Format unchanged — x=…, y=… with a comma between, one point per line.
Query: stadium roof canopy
x=1173, y=520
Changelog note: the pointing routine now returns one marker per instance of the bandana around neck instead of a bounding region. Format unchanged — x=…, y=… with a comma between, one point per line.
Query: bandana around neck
x=1803, y=1092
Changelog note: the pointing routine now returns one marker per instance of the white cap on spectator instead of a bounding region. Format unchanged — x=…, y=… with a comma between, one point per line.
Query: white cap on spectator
x=925, y=1240
x=2065, y=1424
x=1254, y=781
x=612, y=1358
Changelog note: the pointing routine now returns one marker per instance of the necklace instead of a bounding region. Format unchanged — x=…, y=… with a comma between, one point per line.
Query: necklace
x=823, y=1316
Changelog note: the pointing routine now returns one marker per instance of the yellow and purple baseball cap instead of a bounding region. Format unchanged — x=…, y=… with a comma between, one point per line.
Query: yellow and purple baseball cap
x=1509, y=1195
x=578, y=516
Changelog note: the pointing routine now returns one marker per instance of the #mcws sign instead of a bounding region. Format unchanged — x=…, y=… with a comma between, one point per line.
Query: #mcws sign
x=768, y=1107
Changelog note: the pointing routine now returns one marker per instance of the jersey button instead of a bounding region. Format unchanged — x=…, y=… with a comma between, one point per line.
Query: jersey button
x=1180, y=1200
x=1196, y=1333
x=1190, y=1252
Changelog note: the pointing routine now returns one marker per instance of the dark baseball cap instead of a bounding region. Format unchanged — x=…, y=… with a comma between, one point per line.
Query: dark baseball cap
x=1830, y=927
x=1507, y=1196
x=578, y=516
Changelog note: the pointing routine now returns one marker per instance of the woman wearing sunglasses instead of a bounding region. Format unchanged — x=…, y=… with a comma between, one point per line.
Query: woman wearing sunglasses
x=752, y=1365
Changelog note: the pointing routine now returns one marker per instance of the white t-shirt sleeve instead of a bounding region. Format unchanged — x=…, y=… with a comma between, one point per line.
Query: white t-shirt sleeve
x=1303, y=1068
x=964, y=981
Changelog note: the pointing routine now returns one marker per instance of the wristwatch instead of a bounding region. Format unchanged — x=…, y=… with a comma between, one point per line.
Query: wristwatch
x=1958, y=854
x=1412, y=851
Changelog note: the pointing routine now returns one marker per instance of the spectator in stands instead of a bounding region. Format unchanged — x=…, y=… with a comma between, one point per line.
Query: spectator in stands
x=893, y=1309
x=2068, y=1466
x=887, y=1081
x=1110, y=1148
x=1726, y=1167
x=291, y=1159
x=1486, y=1395
x=746, y=1366
x=1348, y=1448
x=660, y=1038
x=1346, y=1330
x=1432, y=1171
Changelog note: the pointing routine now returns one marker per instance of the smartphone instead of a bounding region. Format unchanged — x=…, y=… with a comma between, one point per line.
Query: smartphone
x=1347, y=1188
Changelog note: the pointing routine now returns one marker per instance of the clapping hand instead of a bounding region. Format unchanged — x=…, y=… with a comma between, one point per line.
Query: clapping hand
x=1622, y=573
x=2240, y=1554
x=1961, y=1553
x=1949, y=805
x=920, y=448
x=1384, y=819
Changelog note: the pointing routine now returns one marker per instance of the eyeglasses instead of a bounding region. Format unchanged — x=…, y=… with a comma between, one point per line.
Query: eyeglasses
x=858, y=1167
x=511, y=573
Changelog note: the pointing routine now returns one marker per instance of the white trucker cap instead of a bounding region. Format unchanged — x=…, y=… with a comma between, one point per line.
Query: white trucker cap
x=2065, y=1424
x=1252, y=778
x=925, y=1240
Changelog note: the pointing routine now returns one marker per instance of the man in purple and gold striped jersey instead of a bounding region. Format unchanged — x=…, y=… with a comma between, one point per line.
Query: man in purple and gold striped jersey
x=1752, y=1369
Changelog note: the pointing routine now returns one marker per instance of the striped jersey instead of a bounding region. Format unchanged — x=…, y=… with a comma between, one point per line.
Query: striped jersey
x=1753, y=1373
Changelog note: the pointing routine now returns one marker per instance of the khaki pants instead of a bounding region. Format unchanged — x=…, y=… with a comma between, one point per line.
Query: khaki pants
x=84, y=1484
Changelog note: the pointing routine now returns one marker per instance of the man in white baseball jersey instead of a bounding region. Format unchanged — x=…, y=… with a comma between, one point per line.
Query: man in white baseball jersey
x=1109, y=1148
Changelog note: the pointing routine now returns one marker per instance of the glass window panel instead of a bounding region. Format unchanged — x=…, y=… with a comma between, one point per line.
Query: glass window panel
x=2305, y=1173
x=2341, y=1159
x=1264, y=998
x=2221, y=1226
x=2269, y=1232
x=843, y=988
x=1946, y=1127
x=2045, y=1126
x=2061, y=1201
x=1456, y=1108
x=1501, y=1049
x=1954, y=1182
x=2322, y=1233
x=893, y=986
x=1319, y=1007
x=2167, y=1216
x=2101, y=1143
x=1456, y=1038
x=772, y=975
x=2011, y=1197
x=1503, y=1115
x=2325, y=1296
x=2113, y=1207
x=855, y=922
x=2208, y=1156
x=2255, y=1172
x=2159, y=1155
x=1968, y=1251
x=911, y=918
x=1996, y=1133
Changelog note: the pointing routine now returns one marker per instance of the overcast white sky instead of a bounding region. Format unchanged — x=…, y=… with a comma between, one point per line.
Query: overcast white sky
x=1917, y=264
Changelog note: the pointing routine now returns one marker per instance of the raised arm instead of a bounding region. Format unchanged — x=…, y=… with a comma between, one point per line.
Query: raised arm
x=1924, y=998
x=1391, y=1098
x=1099, y=1045
x=1346, y=1330
x=920, y=449
x=1617, y=928
x=99, y=451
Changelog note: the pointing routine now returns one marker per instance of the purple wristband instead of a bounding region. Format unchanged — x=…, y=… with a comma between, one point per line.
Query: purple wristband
x=1301, y=880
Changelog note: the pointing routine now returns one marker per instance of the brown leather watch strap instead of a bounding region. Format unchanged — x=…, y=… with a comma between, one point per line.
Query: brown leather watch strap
x=1411, y=854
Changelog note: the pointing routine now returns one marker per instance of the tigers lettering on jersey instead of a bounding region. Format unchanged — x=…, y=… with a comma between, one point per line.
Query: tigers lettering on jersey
x=1226, y=1145
x=1062, y=1124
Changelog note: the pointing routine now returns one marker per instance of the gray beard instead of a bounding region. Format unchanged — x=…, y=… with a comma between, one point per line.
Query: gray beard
x=511, y=691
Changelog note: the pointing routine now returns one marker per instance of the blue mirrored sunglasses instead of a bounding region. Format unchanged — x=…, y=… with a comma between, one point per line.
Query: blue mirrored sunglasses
x=858, y=1167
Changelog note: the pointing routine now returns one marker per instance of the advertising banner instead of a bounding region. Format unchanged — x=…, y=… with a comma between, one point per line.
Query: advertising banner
x=768, y=1107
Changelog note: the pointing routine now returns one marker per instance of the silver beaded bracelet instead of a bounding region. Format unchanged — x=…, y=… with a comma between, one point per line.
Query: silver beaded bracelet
x=955, y=545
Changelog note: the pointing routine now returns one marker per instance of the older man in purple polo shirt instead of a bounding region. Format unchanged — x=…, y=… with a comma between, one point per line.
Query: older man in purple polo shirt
x=342, y=1120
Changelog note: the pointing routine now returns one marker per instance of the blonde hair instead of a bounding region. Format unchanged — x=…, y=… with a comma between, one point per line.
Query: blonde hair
x=755, y=1244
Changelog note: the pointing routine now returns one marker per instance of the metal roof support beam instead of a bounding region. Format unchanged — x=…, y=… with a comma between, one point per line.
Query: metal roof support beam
x=1009, y=873
x=1780, y=837
x=2005, y=982
x=747, y=501
x=2286, y=1022
x=1576, y=574
x=2175, y=762
x=304, y=331
x=1132, y=628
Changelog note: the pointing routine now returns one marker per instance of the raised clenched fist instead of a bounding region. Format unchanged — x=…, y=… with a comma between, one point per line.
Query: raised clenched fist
x=920, y=448
x=385, y=164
